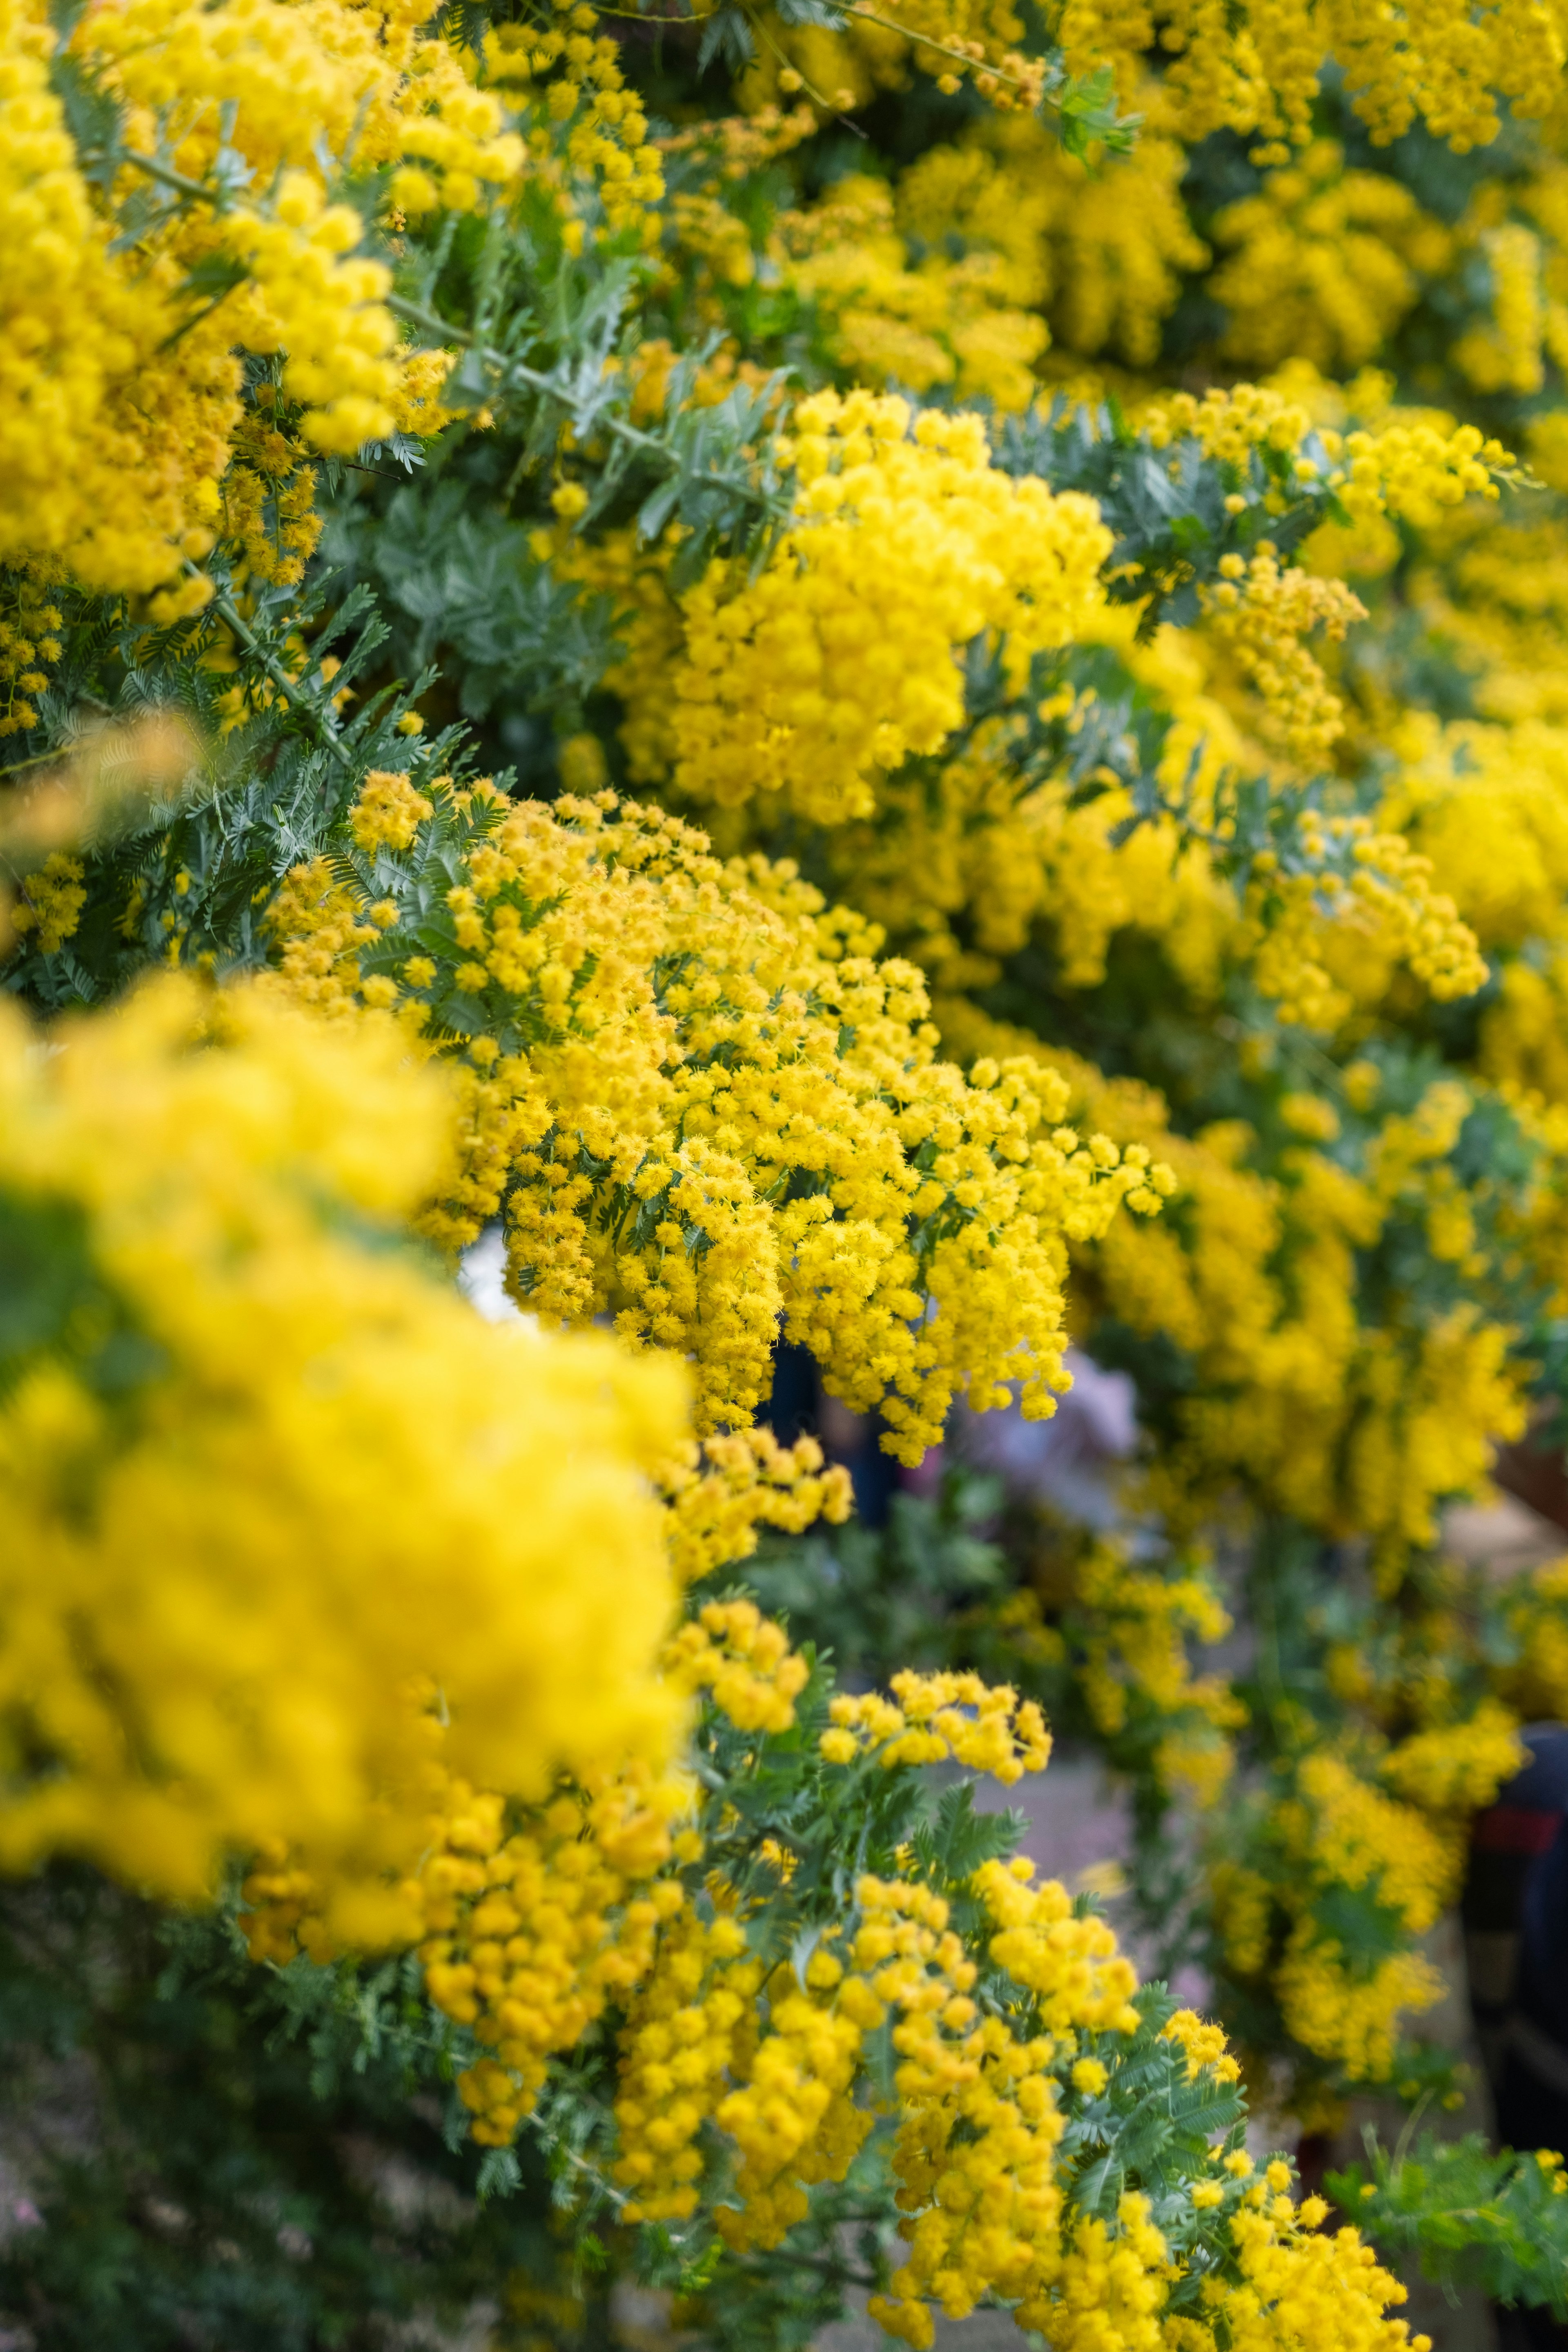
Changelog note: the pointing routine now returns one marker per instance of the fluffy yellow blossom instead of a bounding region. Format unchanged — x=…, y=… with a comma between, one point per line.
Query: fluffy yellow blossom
x=678, y=2041
x=1322, y=264
x=1342, y=1424
x=931, y=1717
x=1263, y=614
x=1254, y=71
x=50, y=903
x=1136, y=1624
x=699, y=1103
x=719, y=1495
x=844, y=656
x=353, y=1490
x=1204, y=2044
x=1415, y=464
x=119, y=395
x=744, y=1659
x=30, y=643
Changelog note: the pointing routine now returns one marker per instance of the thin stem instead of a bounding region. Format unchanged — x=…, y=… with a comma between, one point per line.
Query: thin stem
x=288, y=687
x=853, y=9
x=37, y=761
x=442, y=331
x=945, y=49
x=167, y=177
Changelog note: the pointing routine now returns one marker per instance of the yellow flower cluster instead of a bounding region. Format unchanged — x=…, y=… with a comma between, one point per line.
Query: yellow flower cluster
x=933, y=1718
x=954, y=40
x=1361, y=880
x=744, y=1659
x=574, y=87
x=1109, y=244
x=717, y=1496
x=526, y=1937
x=1340, y=1831
x=677, y=2043
x=1203, y=2045
x=1299, y=2285
x=322, y=307
x=270, y=516
x=1134, y=1655
x=974, y=2152
x=1255, y=69
x=699, y=1103
x=1262, y=614
x=961, y=865
x=29, y=649
x=961, y=271
x=527, y=1921
x=49, y=906
x=1506, y=354
x=771, y=2060
x=111, y=437
x=1323, y=263
x=1456, y=1768
x=119, y=395
x=844, y=656
x=352, y=1487
x=1417, y=466
x=937, y=321
x=300, y=80
x=1344, y=1427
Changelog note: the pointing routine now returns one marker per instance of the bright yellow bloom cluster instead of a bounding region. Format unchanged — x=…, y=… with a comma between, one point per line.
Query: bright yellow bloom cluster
x=1324, y=263
x=1204, y=2044
x=844, y=656
x=528, y=1936
x=771, y=2058
x=1456, y=1768
x=700, y=1104
x=110, y=445
x=730, y=1649
x=354, y=1489
x=719, y=1495
x=1338, y=1831
x=1256, y=69
x=974, y=2153
x=1361, y=880
x=932, y=1717
x=29, y=647
x=119, y=393
x=962, y=864
x=939, y=321
x=1343, y=1426
x=524, y=1936
x=590, y=129
x=1415, y=466
x=1263, y=614
x=1048, y=250
x=952, y=40
x=50, y=903
x=269, y=518
x=1134, y=1656
x=1300, y=2284
x=1109, y=244
x=677, y=2043
x=320, y=306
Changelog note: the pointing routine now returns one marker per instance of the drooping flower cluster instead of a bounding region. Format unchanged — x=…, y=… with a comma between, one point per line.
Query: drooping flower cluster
x=697, y=1101
x=844, y=656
